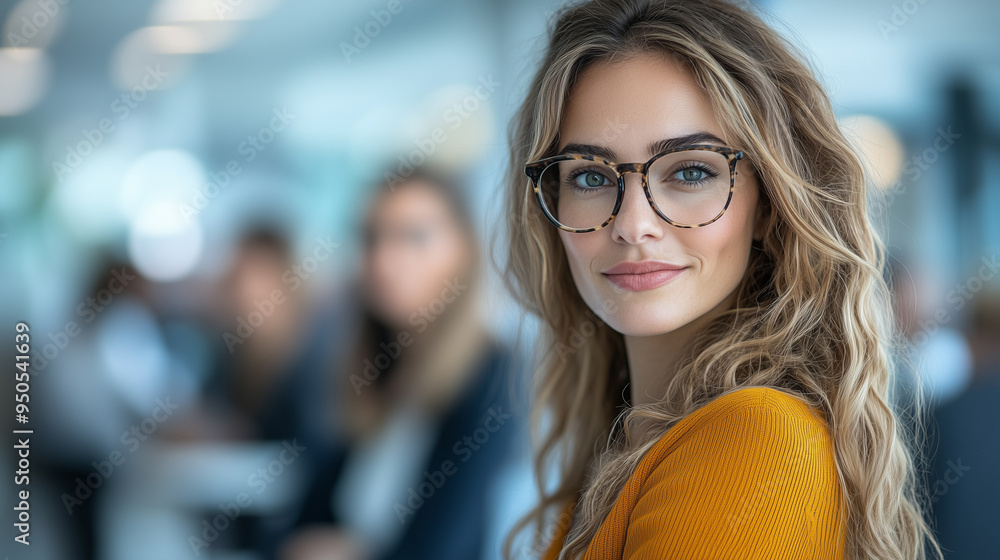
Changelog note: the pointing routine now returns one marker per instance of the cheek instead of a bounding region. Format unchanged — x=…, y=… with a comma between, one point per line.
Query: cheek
x=582, y=249
x=576, y=250
x=723, y=255
x=724, y=246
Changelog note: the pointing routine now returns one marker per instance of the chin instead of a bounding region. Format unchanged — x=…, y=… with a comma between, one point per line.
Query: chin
x=639, y=314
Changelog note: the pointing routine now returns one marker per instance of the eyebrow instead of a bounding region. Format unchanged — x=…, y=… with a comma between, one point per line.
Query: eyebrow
x=603, y=152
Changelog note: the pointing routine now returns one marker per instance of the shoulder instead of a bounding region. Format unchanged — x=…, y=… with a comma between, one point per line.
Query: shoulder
x=759, y=415
x=753, y=467
x=766, y=404
x=767, y=425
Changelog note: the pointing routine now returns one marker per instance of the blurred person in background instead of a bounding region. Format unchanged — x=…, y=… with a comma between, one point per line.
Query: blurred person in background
x=240, y=400
x=239, y=397
x=965, y=483
x=415, y=393
x=126, y=355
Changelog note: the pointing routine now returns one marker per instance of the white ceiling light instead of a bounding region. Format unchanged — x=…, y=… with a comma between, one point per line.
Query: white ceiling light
x=24, y=74
x=173, y=11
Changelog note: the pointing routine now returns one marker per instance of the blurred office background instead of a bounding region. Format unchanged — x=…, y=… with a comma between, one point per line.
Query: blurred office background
x=194, y=203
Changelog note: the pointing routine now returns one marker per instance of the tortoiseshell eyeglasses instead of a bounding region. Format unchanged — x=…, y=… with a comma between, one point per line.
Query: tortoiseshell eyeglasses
x=688, y=187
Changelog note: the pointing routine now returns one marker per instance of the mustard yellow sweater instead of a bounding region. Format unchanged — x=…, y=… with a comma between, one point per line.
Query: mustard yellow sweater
x=750, y=475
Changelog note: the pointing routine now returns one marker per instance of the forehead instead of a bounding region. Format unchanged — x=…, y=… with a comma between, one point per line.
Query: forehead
x=625, y=105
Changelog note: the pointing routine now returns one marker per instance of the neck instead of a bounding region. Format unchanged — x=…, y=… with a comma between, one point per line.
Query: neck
x=653, y=360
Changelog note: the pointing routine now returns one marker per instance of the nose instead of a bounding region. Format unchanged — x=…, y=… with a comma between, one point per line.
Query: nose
x=636, y=221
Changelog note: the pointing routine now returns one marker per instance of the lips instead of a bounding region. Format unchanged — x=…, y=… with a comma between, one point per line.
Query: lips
x=643, y=275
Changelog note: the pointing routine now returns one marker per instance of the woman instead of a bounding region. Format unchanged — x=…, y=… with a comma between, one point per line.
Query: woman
x=419, y=402
x=733, y=400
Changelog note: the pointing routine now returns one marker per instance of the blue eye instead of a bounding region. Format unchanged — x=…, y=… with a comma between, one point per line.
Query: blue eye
x=692, y=174
x=590, y=180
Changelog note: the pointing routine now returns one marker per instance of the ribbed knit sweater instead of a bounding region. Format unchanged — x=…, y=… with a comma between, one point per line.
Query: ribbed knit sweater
x=750, y=475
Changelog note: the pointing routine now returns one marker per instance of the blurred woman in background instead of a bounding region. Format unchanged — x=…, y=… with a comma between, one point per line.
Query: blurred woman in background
x=733, y=402
x=419, y=400
x=238, y=400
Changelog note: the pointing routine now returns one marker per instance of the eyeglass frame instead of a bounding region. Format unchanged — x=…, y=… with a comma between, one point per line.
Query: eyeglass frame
x=535, y=169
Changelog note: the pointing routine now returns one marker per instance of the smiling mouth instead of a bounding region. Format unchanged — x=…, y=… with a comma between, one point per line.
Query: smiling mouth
x=644, y=282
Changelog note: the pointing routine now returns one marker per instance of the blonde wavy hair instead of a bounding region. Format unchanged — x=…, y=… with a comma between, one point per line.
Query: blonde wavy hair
x=813, y=315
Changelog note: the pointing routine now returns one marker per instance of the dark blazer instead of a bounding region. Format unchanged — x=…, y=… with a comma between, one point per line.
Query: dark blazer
x=451, y=523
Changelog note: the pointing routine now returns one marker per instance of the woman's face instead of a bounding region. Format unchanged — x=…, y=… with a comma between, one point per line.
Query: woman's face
x=622, y=109
x=415, y=251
